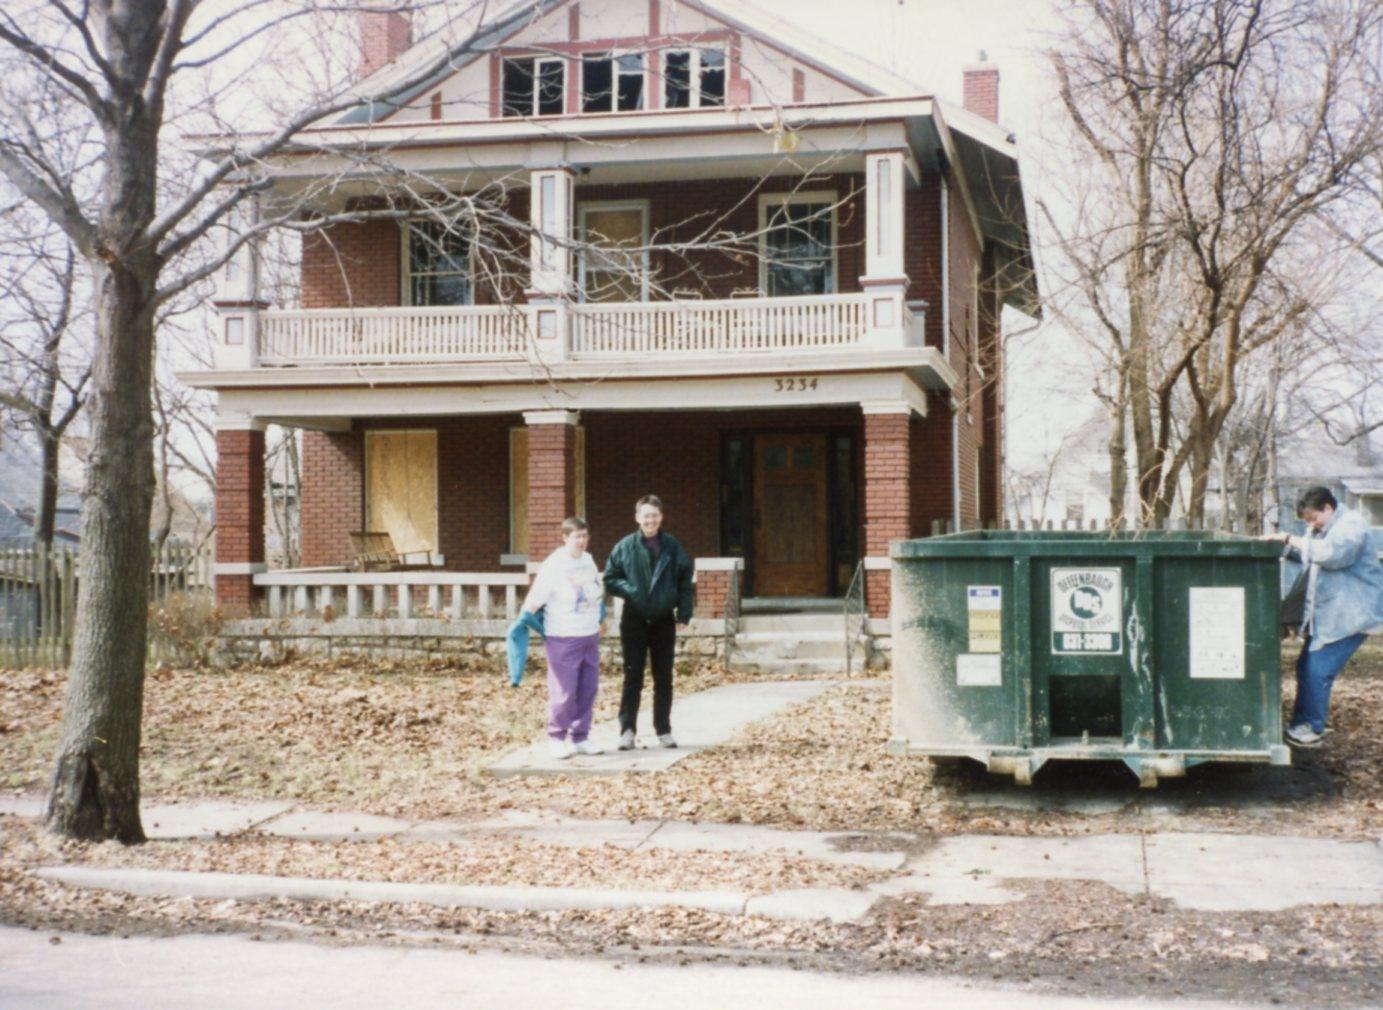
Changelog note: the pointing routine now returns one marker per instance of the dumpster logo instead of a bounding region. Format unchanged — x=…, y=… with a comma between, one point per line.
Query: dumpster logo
x=1087, y=611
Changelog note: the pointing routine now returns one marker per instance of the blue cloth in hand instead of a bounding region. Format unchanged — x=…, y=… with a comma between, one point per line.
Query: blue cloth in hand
x=516, y=643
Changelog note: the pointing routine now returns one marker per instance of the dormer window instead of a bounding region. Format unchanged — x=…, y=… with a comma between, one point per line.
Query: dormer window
x=534, y=86
x=694, y=78
x=612, y=83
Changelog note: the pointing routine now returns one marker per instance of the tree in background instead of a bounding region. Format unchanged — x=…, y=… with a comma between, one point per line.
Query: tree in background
x=1212, y=141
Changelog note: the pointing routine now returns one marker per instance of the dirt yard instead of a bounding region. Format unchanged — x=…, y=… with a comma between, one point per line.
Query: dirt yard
x=413, y=740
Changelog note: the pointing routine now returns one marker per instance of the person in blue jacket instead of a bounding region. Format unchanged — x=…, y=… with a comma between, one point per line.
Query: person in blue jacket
x=1344, y=603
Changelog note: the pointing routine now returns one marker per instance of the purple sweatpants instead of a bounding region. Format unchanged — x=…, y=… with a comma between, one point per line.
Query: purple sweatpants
x=573, y=674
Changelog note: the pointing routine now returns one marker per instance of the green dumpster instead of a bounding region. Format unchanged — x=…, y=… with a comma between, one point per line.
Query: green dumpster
x=1157, y=649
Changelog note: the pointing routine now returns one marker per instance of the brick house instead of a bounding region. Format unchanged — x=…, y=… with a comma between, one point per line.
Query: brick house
x=824, y=382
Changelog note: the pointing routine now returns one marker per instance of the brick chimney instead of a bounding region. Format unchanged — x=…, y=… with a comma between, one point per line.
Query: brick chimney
x=384, y=35
x=981, y=94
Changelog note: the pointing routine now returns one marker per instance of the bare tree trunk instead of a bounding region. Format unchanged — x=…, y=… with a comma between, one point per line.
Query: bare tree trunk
x=1118, y=464
x=95, y=790
x=45, y=523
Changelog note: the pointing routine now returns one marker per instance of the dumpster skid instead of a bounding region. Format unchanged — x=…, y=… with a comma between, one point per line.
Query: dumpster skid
x=1158, y=649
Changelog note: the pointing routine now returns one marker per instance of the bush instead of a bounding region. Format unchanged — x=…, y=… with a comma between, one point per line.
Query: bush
x=183, y=629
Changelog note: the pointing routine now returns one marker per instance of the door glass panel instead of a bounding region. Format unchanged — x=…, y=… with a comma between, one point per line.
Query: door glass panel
x=775, y=457
x=803, y=458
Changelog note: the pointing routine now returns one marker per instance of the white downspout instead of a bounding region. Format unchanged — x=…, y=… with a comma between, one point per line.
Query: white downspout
x=946, y=346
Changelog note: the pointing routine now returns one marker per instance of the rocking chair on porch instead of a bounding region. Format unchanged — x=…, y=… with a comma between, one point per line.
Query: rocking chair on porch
x=375, y=552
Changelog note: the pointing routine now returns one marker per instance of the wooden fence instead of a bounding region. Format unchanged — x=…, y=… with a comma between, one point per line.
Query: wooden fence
x=38, y=597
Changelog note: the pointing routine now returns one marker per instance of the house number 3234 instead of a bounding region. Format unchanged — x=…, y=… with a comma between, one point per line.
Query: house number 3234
x=794, y=385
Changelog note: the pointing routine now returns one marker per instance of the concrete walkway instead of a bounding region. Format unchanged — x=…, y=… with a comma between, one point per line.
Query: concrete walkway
x=1201, y=871
x=235, y=973
x=699, y=720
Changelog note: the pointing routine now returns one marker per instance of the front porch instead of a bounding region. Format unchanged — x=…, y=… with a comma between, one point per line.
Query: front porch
x=778, y=503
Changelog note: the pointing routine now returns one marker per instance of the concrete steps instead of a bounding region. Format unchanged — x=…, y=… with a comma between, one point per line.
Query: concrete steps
x=801, y=643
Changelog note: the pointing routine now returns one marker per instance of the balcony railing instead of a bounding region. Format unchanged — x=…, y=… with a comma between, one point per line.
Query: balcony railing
x=604, y=331
x=392, y=335
x=714, y=327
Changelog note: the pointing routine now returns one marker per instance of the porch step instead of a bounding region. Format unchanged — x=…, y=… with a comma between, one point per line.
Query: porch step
x=798, y=623
x=773, y=645
x=808, y=666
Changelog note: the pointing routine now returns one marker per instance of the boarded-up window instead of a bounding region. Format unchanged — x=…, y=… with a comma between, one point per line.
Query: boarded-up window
x=401, y=487
x=518, y=485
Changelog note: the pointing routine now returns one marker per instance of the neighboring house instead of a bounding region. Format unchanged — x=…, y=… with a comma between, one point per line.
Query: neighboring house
x=20, y=481
x=1353, y=472
x=797, y=408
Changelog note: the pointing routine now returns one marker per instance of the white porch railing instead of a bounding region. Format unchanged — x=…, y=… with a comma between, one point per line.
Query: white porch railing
x=406, y=335
x=710, y=327
x=454, y=595
x=392, y=335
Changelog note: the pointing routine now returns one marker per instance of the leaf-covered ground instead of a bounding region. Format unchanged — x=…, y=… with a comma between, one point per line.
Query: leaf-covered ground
x=414, y=739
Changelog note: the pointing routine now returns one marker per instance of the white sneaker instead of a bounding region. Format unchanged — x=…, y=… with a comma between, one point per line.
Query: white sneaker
x=559, y=749
x=1304, y=736
x=626, y=740
x=584, y=747
x=666, y=740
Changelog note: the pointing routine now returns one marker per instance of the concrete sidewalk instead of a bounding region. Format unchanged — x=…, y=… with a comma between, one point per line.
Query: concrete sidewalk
x=699, y=720
x=1200, y=871
x=235, y=973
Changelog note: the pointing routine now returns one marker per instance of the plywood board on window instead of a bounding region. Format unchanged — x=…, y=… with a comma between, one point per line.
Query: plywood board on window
x=401, y=487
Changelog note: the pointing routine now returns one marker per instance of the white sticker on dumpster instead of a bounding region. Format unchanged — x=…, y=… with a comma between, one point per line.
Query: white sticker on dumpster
x=1087, y=611
x=978, y=670
x=1217, y=633
x=985, y=605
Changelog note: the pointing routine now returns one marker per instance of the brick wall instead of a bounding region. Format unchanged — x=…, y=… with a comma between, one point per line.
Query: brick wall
x=352, y=263
x=383, y=36
x=888, y=470
x=333, y=496
x=551, y=485
x=239, y=513
x=712, y=590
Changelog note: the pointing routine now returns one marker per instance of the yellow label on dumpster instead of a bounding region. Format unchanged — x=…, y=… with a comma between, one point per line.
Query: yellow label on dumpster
x=985, y=607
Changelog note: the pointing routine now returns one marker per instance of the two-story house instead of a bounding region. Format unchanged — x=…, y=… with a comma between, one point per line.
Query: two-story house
x=761, y=278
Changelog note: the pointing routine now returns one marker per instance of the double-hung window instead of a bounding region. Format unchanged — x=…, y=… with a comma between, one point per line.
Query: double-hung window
x=439, y=264
x=798, y=244
x=693, y=78
x=612, y=83
x=533, y=86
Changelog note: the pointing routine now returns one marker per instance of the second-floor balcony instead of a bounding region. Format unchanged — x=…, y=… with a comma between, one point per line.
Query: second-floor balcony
x=578, y=331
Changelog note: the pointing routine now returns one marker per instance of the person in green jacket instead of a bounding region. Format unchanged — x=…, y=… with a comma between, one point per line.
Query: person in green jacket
x=651, y=572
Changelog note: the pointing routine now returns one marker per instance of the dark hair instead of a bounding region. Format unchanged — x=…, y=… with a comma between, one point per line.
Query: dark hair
x=573, y=523
x=649, y=499
x=1316, y=498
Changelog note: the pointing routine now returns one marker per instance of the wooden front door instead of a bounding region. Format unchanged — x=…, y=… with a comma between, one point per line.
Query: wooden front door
x=790, y=515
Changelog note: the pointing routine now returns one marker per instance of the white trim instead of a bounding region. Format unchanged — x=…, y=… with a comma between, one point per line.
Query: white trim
x=887, y=407
x=878, y=564
x=319, y=578
x=767, y=200
x=235, y=421
x=642, y=206
x=238, y=567
x=719, y=564
x=533, y=417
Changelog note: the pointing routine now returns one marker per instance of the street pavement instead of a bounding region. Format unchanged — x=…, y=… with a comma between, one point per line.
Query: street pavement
x=236, y=973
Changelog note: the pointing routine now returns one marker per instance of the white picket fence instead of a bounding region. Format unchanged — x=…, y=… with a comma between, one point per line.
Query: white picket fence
x=392, y=335
x=307, y=592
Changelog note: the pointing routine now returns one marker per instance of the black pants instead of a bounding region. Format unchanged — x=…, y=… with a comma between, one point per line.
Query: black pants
x=641, y=639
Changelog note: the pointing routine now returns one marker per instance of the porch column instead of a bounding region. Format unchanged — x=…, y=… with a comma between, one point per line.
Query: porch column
x=888, y=452
x=238, y=302
x=884, y=277
x=552, y=196
x=239, y=511
x=551, y=478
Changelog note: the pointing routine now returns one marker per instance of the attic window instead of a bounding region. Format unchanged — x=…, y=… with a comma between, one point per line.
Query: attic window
x=694, y=79
x=612, y=83
x=534, y=86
